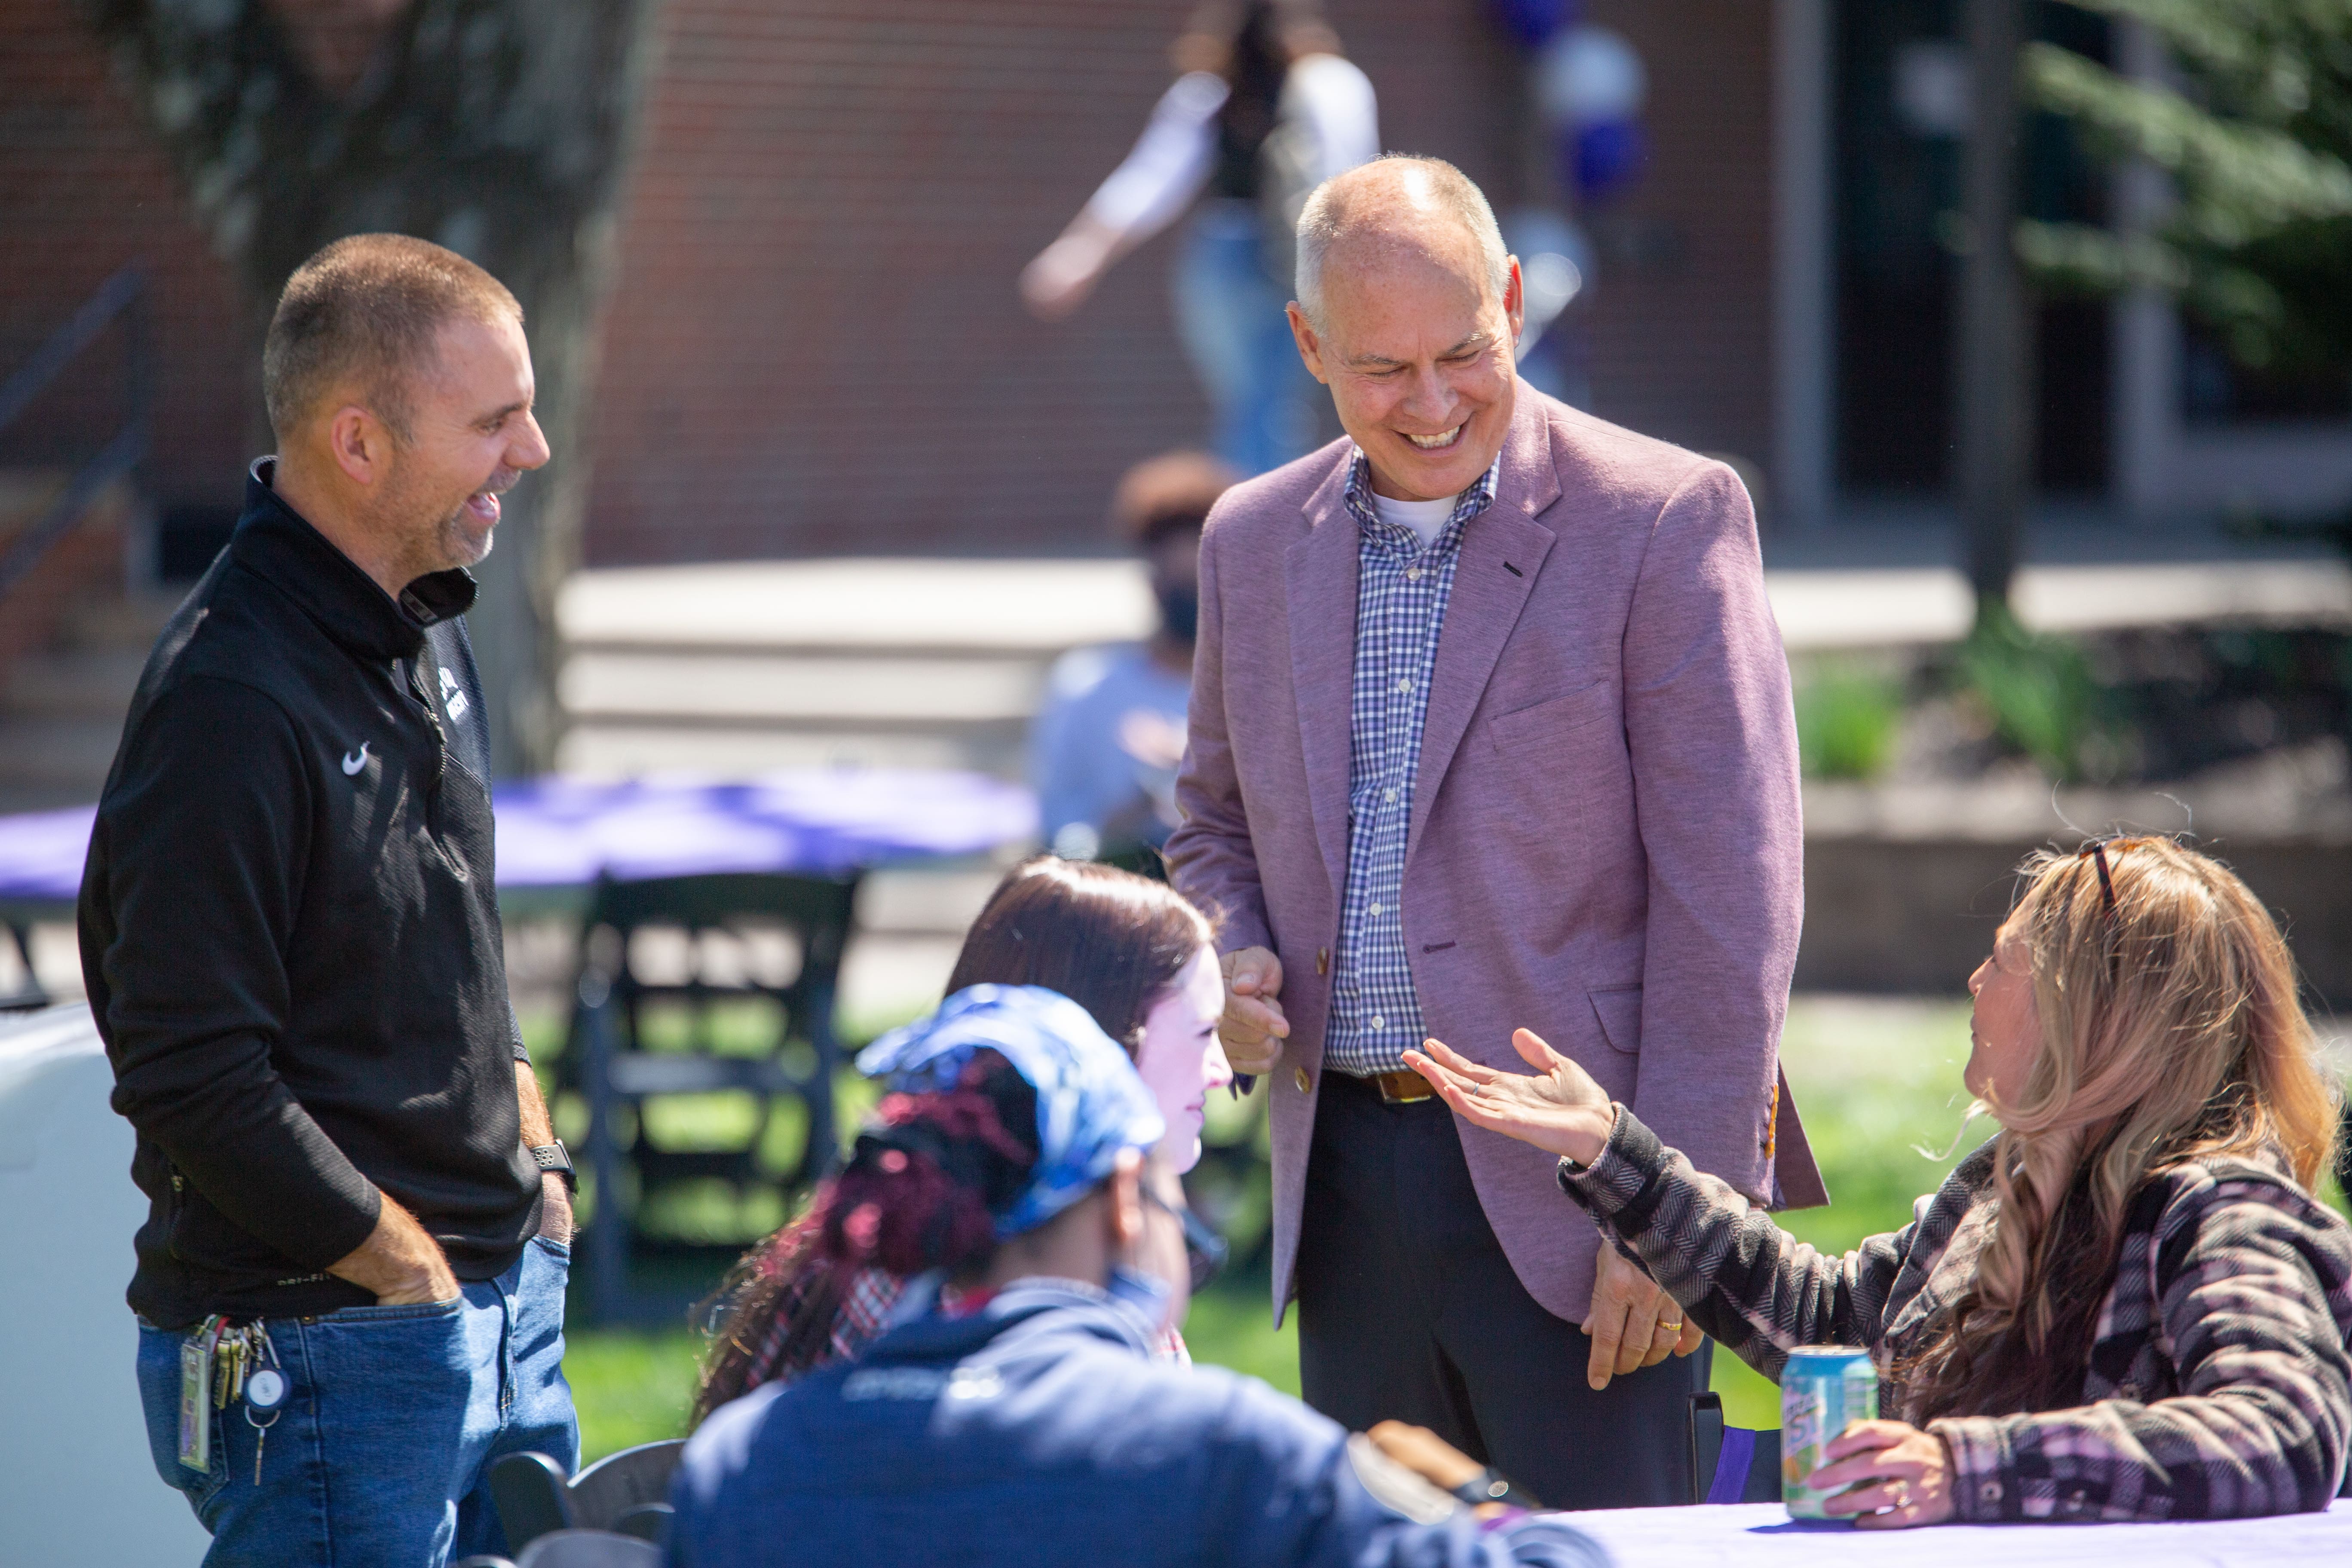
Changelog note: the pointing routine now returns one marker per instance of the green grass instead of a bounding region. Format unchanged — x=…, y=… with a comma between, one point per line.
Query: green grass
x=1232, y=1325
x=630, y=1386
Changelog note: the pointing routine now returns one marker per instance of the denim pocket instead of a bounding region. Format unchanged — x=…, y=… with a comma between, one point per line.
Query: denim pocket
x=410, y=1313
x=159, y=1394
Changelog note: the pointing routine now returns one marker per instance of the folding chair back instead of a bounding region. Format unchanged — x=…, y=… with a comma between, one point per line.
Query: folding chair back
x=628, y=1491
x=589, y=1549
x=1730, y=1464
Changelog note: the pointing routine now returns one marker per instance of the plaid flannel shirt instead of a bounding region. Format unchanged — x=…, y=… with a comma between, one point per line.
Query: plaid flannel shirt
x=2218, y=1385
x=1400, y=595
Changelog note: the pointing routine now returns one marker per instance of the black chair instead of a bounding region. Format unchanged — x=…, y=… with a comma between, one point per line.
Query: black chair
x=612, y=1061
x=625, y=1493
x=1730, y=1464
x=589, y=1549
x=28, y=997
x=575, y=1549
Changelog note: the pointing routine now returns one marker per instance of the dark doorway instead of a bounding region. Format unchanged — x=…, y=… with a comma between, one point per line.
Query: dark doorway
x=1901, y=80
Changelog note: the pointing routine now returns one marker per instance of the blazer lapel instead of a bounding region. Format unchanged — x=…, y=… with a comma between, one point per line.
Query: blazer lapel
x=1502, y=550
x=1320, y=576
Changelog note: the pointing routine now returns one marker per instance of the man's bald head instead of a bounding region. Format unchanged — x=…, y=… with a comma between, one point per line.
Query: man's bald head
x=1398, y=204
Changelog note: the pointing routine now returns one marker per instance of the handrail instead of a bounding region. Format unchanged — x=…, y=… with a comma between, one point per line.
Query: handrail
x=123, y=295
x=113, y=296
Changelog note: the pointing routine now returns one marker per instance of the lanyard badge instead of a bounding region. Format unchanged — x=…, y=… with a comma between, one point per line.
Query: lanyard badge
x=196, y=1397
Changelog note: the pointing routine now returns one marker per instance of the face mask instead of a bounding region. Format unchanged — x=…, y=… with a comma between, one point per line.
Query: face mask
x=1180, y=609
x=1147, y=1293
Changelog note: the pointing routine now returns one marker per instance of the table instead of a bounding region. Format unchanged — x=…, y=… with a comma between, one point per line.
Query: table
x=567, y=833
x=1762, y=1535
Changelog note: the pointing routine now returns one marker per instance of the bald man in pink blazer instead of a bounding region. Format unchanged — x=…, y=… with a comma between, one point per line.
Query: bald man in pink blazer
x=1599, y=840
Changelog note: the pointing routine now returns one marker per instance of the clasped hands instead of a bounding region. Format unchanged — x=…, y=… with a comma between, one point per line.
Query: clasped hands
x=1889, y=1466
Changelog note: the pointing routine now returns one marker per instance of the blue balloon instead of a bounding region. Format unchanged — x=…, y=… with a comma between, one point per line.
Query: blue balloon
x=1532, y=21
x=1604, y=159
x=1588, y=76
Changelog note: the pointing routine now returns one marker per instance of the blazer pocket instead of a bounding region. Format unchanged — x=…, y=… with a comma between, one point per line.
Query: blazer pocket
x=1553, y=718
x=1618, y=1008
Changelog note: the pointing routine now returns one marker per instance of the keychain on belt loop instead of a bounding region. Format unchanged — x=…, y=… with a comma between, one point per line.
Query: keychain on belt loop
x=264, y=1391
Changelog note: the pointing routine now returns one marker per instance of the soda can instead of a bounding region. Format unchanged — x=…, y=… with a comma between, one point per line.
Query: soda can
x=1823, y=1388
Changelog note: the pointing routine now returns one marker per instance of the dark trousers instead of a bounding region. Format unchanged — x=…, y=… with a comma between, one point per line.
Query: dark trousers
x=1408, y=1310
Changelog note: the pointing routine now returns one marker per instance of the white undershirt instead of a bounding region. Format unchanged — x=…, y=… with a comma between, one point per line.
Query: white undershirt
x=1425, y=518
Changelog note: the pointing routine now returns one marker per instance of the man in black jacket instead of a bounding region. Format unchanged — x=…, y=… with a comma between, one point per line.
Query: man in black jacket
x=350, y=1283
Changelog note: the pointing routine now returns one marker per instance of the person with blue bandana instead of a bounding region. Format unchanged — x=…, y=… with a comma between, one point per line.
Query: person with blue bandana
x=1015, y=1414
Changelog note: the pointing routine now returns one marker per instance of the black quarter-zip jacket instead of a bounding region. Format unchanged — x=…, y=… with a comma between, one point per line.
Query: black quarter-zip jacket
x=289, y=932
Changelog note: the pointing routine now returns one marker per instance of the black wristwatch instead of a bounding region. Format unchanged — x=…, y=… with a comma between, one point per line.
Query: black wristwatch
x=555, y=1157
x=1486, y=1487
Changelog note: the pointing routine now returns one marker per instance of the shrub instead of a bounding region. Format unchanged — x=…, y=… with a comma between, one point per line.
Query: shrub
x=1847, y=723
x=2038, y=690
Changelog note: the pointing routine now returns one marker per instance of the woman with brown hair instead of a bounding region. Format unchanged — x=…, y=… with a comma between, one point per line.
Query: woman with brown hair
x=2126, y=1306
x=1141, y=961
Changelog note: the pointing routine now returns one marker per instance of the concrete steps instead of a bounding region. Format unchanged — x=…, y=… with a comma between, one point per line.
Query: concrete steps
x=61, y=706
x=874, y=663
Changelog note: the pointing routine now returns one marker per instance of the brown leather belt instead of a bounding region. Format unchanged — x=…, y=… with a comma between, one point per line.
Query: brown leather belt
x=1403, y=1086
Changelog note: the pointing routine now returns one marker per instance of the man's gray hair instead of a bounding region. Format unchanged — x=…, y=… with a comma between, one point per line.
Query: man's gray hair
x=1327, y=213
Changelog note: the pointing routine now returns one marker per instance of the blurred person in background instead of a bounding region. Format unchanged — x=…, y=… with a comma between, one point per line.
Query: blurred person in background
x=1105, y=746
x=1142, y=965
x=1264, y=110
x=1018, y=1416
x=2128, y=1305
x=1490, y=721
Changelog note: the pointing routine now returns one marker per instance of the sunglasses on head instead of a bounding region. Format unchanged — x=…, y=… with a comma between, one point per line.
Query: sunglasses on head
x=1204, y=1249
x=2097, y=849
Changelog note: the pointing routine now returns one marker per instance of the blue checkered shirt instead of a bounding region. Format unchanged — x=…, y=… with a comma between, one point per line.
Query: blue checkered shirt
x=1400, y=595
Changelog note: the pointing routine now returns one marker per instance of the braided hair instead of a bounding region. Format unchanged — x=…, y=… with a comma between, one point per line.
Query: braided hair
x=920, y=1192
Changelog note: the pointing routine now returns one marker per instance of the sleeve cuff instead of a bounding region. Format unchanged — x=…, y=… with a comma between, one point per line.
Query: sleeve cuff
x=289, y=1186
x=339, y=1227
x=1982, y=1463
x=1629, y=1162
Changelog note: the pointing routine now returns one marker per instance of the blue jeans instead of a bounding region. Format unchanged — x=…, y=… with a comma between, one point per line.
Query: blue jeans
x=1230, y=316
x=382, y=1446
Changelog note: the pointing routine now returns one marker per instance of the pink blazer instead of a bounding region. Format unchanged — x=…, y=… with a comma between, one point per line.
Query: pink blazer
x=1605, y=844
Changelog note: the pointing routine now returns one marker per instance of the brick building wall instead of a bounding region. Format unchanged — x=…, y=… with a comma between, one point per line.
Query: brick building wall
x=814, y=346
x=83, y=190
x=1682, y=327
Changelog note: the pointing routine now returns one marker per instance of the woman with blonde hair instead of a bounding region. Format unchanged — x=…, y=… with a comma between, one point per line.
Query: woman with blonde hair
x=2127, y=1305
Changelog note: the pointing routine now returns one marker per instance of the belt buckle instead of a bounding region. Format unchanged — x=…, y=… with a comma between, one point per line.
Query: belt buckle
x=1405, y=1087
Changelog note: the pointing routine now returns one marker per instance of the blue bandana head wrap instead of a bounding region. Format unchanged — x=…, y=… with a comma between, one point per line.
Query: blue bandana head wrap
x=1091, y=1107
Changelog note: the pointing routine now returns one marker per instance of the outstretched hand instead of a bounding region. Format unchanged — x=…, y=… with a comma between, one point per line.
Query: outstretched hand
x=1558, y=1107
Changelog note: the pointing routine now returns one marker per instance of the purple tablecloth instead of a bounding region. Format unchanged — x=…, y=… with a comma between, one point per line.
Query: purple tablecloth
x=1762, y=1535
x=562, y=833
